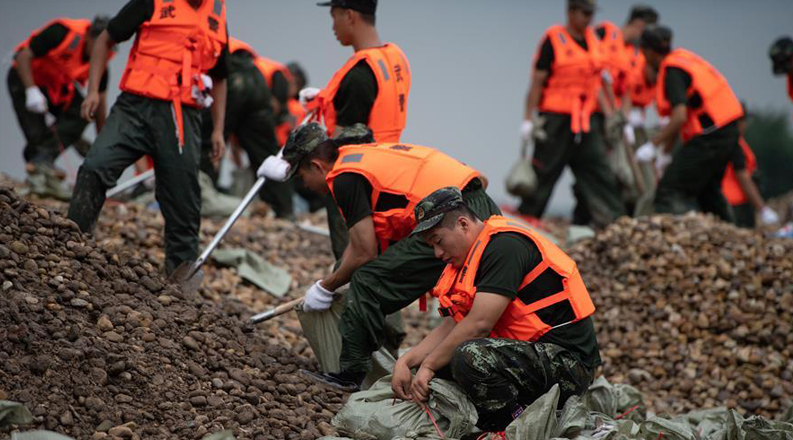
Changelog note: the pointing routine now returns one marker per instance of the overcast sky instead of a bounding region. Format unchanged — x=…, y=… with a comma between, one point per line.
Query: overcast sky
x=470, y=59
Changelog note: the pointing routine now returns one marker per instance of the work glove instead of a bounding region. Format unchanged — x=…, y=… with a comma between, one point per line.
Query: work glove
x=629, y=133
x=317, y=298
x=646, y=152
x=202, y=91
x=35, y=101
x=768, y=216
x=636, y=118
x=532, y=129
x=662, y=160
x=307, y=95
x=274, y=168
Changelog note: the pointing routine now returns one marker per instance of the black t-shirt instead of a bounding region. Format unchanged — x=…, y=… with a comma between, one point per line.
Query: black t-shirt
x=506, y=260
x=738, y=159
x=676, y=86
x=136, y=12
x=280, y=90
x=356, y=95
x=353, y=195
x=546, y=57
x=51, y=37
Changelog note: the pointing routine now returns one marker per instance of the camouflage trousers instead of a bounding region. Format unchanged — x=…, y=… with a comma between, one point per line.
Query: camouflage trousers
x=503, y=376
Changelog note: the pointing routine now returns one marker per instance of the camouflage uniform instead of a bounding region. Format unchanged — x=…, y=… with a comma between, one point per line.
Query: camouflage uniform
x=503, y=376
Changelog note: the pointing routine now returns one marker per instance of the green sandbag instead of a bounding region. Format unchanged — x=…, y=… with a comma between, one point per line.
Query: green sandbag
x=39, y=435
x=376, y=414
x=758, y=428
x=573, y=418
x=14, y=413
x=255, y=269
x=615, y=400
x=215, y=204
x=228, y=434
x=657, y=427
x=538, y=420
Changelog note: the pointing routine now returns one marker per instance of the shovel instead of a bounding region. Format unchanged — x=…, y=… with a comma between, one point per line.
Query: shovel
x=276, y=311
x=120, y=188
x=188, y=274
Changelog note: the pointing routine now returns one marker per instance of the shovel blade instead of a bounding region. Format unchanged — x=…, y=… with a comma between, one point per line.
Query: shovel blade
x=187, y=277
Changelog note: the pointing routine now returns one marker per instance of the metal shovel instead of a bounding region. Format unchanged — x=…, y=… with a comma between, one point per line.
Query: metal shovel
x=121, y=187
x=188, y=274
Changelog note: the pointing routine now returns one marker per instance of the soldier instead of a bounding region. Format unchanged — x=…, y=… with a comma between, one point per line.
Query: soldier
x=564, y=89
x=704, y=111
x=180, y=50
x=517, y=316
x=781, y=54
x=48, y=68
x=375, y=186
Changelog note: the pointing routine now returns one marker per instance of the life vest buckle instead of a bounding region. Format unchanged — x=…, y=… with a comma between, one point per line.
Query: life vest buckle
x=445, y=311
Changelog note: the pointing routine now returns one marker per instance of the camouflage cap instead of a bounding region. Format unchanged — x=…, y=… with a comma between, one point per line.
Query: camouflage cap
x=431, y=209
x=302, y=141
x=354, y=134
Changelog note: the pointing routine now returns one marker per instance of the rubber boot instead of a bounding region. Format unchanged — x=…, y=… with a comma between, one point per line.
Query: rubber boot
x=87, y=201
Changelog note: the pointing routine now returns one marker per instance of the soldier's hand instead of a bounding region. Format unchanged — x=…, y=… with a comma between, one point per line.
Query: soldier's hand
x=400, y=380
x=420, y=387
x=218, y=147
x=89, y=106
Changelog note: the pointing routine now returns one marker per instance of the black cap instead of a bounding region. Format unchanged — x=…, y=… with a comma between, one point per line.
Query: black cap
x=657, y=38
x=362, y=6
x=645, y=13
x=431, y=209
x=584, y=5
x=781, y=52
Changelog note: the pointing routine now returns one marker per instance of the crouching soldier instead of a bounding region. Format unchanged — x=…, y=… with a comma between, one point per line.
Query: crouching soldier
x=517, y=314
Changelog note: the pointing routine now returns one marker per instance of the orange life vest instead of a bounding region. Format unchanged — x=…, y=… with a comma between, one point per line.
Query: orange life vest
x=295, y=115
x=642, y=93
x=455, y=289
x=729, y=184
x=61, y=67
x=719, y=103
x=615, y=60
x=172, y=49
x=408, y=170
x=266, y=66
x=573, y=85
x=392, y=71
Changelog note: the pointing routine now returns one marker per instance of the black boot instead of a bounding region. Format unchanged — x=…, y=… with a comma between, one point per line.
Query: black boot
x=87, y=200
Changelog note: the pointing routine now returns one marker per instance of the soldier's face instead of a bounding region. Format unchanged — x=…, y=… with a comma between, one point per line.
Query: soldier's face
x=342, y=23
x=579, y=19
x=451, y=245
x=313, y=176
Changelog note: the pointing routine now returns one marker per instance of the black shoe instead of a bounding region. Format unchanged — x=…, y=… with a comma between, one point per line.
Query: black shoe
x=342, y=381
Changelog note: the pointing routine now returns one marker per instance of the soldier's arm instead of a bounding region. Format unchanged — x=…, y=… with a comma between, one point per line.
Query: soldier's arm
x=750, y=189
x=667, y=135
x=535, y=91
x=361, y=249
x=24, y=58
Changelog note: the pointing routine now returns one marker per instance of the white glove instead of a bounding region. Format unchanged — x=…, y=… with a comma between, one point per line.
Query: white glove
x=35, y=101
x=525, y=129
x=317, y=298
x=630, y=135
x=646, y=152
x=307, y=95
x=768, y=216
x=663, y=121
x=662, y=160
x=636, y=117
x=202, y=92
x=273, y=168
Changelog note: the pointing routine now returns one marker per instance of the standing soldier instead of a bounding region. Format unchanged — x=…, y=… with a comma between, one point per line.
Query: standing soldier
x=180, y=50
x=371, y=88
x=704, y=111
x=48, y=69
x=564, y=88
x=376, y=186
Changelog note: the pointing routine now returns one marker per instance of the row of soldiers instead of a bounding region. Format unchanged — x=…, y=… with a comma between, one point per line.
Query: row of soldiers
x=405, y=219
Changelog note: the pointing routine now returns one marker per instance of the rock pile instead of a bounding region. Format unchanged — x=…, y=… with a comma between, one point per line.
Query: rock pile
x=694, y=312
x=96, y=345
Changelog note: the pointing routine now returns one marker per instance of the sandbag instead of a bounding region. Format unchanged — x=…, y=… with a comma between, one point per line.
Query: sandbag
x=657, y=427
x=39, y=435
x=215, y=204
x=255, y=269
x=321, y=330
x=538, y=420
x=376, y=414
x=521, y=179
x=615, y=400
x=14, y=413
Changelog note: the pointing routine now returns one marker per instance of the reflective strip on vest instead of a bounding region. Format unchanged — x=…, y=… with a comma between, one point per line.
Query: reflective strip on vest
x=456, y=291
x=408, y=170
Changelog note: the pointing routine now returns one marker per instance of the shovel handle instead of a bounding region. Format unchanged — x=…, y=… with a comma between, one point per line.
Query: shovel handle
x=129, y=183
x=276, y=311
